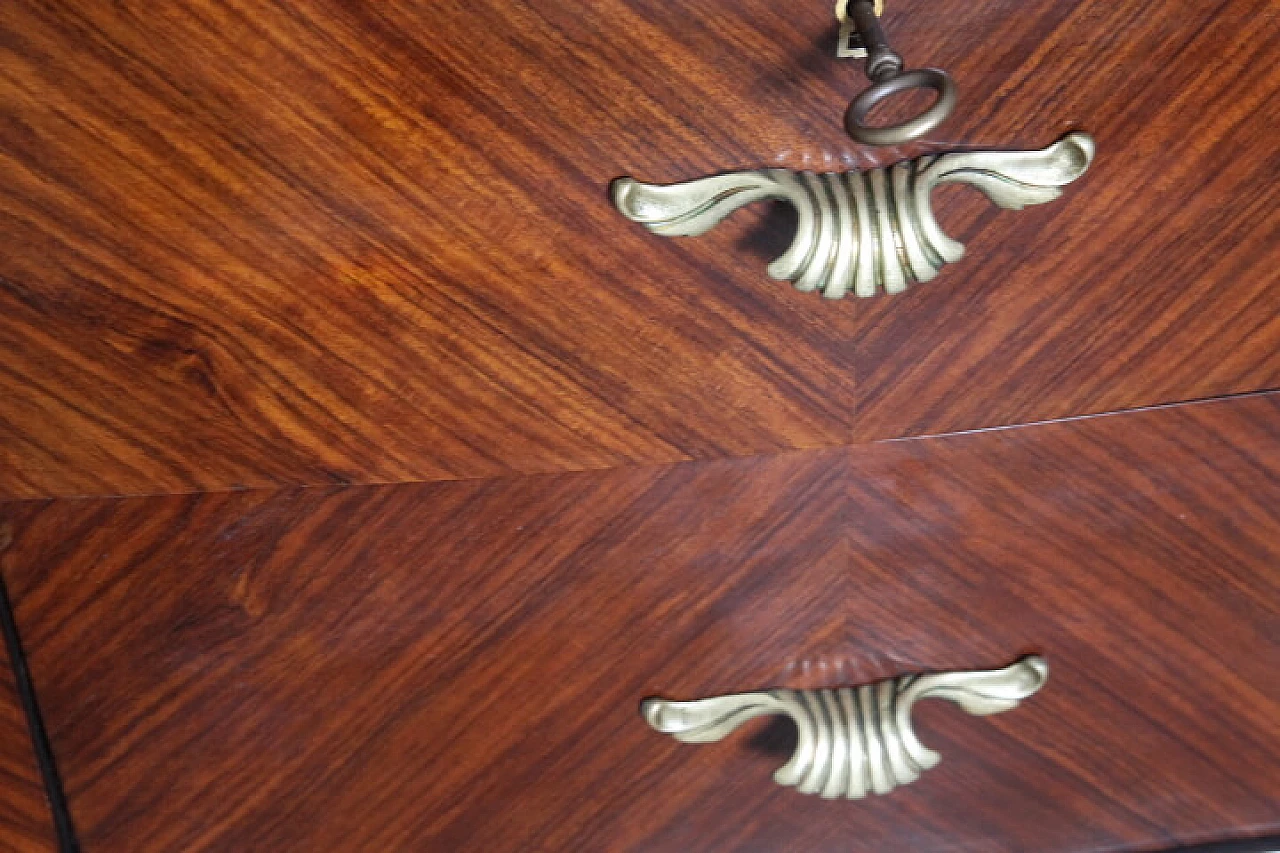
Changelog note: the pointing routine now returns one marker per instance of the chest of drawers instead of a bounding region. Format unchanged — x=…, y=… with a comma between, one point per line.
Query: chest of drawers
x=362, y=469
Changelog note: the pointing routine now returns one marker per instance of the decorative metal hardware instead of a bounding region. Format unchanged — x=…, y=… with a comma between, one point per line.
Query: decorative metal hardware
x=849, y=45
x=885, y=71
x=860, y=232
x=851, y=741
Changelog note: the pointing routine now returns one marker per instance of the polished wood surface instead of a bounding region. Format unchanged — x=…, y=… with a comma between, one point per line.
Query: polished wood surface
x=26, y=824
x=514, y=463
x=457, y=666
x=25, y=821
x=316, y=242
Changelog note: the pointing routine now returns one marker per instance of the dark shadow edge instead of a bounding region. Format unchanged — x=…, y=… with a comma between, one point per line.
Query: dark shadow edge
x=1265, y=844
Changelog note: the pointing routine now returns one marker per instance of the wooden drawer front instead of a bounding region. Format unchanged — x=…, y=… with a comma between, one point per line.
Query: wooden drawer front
x=318, y=242
x=25, y=820
x=459, y=666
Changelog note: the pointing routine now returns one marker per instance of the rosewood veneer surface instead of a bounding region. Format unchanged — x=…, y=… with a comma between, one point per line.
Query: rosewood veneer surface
x=316, y=242
x=458, y=666
x=26, y=823
x=364, y=468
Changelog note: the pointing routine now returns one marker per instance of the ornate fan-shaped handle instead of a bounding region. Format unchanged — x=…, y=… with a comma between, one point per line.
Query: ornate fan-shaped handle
x=860, y=232
x=851, y=741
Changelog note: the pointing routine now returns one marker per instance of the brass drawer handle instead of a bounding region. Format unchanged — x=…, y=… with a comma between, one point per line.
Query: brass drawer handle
x=851, y=741
x=860, y=232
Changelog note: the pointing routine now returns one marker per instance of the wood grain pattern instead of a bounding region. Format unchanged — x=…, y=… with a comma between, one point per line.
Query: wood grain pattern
x=457, y=666
x=26, y=824
x=252, y=243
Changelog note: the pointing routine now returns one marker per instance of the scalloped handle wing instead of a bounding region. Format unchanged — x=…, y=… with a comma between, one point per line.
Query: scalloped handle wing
x=707, y=720
x=693, y=207
x=1015, y=179
x=982, y=693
